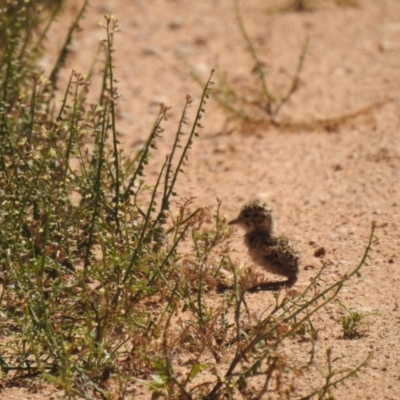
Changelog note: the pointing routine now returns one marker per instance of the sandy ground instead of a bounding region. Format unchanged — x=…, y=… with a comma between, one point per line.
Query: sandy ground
x=325, y=185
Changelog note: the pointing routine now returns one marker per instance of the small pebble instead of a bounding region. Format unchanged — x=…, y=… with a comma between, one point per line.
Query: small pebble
x=320, y=252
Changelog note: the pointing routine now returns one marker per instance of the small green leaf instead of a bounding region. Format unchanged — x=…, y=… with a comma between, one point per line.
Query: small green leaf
x=197, y=369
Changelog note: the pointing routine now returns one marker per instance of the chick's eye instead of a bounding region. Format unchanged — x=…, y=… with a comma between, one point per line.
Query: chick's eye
x=246, y=215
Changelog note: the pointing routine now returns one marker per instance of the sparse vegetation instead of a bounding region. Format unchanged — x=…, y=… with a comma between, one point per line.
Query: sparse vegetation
x=96, y=292
x=257, y=104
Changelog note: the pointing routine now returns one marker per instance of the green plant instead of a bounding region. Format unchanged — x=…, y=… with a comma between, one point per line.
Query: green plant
x=258, y=104
x=84, y=236
x=353, y=323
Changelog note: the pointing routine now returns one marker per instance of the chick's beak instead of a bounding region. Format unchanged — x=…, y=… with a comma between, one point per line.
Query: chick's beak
x=234, y=221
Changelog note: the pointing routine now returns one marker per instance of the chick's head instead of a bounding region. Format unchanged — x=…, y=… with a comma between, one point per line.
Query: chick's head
x=253, y=215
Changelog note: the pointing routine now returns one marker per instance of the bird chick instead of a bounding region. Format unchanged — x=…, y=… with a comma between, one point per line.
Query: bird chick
x=274, y=253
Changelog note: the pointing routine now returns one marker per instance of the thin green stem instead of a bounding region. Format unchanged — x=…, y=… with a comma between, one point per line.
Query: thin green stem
x=259, y=68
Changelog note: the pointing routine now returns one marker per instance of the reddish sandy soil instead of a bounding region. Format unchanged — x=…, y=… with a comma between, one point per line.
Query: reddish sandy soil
x=325, y=184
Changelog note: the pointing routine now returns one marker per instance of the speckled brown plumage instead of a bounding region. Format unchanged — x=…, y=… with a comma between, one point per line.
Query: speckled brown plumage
x=275, y=254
